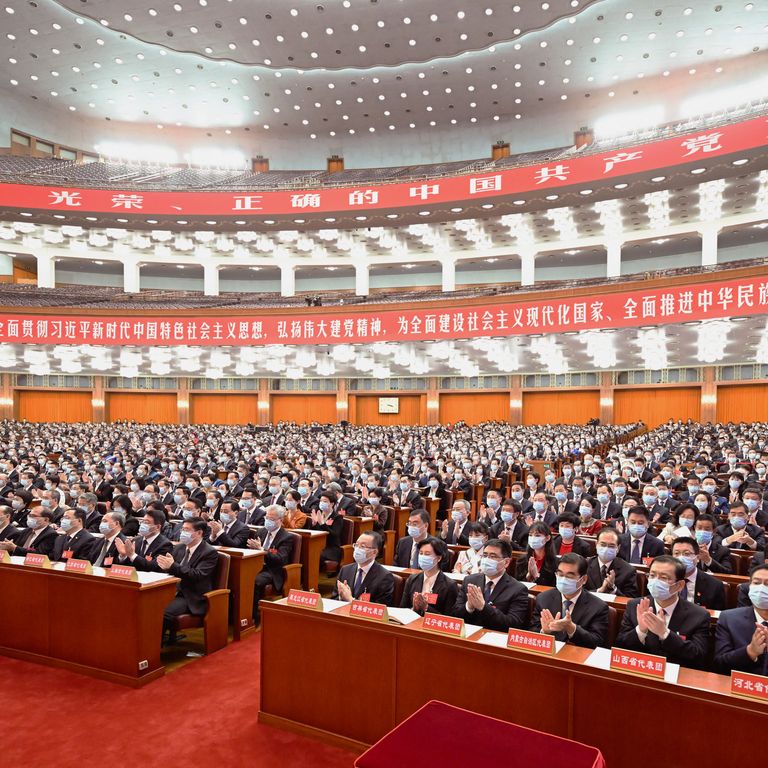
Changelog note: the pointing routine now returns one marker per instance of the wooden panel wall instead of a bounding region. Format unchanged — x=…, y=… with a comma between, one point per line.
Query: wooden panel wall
x=224, y=408
x=576, y=407
x=50, y=405
x=303, y=408
x=142, y=406
x=655, y=405
x=364, y=409
x=742, y=402
x=474, y=407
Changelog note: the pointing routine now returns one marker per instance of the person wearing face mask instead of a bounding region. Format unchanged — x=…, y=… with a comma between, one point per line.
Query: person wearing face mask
x=295, y=516
x=468, y=560
x=251, y=507
x=738, y=532
x=453, y=531
x=460, y=483
x=566, y=540
x=124, y=506
x=193, y=561
x=741, y=634
x=277, y=544
x=76, y=543
x=101, y=487
x=607, y=508
x=39, y=537
x=609, y=573
x=700, y=587
x=377, y=511
x=562, y=504
x=489, y=513
x=324, y=518
x=657, y=514
x=492, y=598
x=142, y=551
x=20, y=503
x=104, y=551
x=638, y=543
x=532, y=482
x=682, y=525
x=365, y=579
x=734, y=489
x=666, y=499
x=405, y=495
x=753, y=501
x=517, y=494
x=713, y=556
x=406, y=550
x=8, y=531
x=568, y=611
x=511, y=527
x=430, y=590
x=435, y=489
x=540, y=510
x=664, y=624
x=589, y=524
x=539, y=563
x=228, y=531
x=619, y=491
x=196, y=491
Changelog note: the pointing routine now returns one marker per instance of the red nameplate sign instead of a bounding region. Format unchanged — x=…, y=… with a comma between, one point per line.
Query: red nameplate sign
x=533, y=642
x=445, y=625
x=751, y=686
x=305, y=599
x=644, y=664
x=78, y=566
x=127, y=572
x=366, y=610
x=39, y=561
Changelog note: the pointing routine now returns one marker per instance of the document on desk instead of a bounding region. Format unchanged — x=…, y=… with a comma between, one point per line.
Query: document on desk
x=471, y=629
x=331, y=605
x=600, y=658
x=402, y=616
x=499, y=640
x=606, y=597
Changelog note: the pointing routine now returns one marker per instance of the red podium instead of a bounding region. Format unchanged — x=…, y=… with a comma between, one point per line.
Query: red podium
x=445, y=736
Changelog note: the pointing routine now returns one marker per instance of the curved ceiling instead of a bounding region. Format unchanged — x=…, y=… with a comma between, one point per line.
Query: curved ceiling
x=359, y=68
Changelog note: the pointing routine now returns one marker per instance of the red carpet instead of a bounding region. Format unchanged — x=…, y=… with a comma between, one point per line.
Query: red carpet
x=203, y=714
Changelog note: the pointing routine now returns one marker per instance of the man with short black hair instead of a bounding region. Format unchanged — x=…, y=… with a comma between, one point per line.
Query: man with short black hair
x=365, y=579
x=638, y=543
x=76, y=543
x=8, y=531
x=700, y=587
x=39, y=537
x=150, y=543
x=606, y=571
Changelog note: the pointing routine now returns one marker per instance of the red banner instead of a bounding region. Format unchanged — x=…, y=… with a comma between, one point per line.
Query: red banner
x=627, y=309
x=493, y=183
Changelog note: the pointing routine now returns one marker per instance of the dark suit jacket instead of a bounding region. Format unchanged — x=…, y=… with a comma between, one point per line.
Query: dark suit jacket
x=710, y=592
x=652, y=547
x=412, y=499
x=10, y=533
x=403, y=555
x=507, y=608
x=236, y=536
x=445, y=589
x=570, y=506
x=724, y=531
x=549, y=516
x=92, y=521
x=579, y=547
x=81, y=544
x=104, y=491
x=110, y=553
x=686, y=643
x=334, y=526
x=733, y=633
x=519, y=534
x=146, y=555
x=721, y=559
x=590, y=614
x=379, y=583
x=43, y=544
x=613, y=510
x=450, y=537
x=546, y=574
x=196, y=576
x=625, y=577
x=278, y=555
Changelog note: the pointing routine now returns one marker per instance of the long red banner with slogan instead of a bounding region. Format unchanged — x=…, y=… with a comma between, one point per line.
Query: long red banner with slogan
x=501, y=183
x=662, y=306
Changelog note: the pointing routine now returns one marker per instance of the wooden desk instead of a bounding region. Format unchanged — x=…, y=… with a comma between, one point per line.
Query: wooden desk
x=554, y=694
x=92, y=624
x=313, y=543
x=401, y=520
x=244, y=566
x=360, y=525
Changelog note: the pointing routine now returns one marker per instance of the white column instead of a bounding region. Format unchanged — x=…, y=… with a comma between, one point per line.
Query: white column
x=211, y=279
x=709, y=246
x=131, y=276
x=362, y=280
x=46, y=270
x=449, y=275
x=527, y=267
x=613, y=261
x=287, y=280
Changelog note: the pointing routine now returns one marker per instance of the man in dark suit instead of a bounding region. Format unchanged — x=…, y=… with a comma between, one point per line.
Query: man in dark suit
x=88, y=503
x=700, y=587
x=228, y=531
x=8, y=531
x=104, y=552
x=365, y=579
x=194, y=562
x=101, y=487
x=570, y=612
x=713, y=556
x=657, y=513
x=453, y=530
x=142, y=552
x=665, y=625
x=741, y=634
x=76, y=543
x=541, y=510
x=510, y=527
x=606, y=508
x=607, y=572
x=638, y=544
x=406, y=551
x=277, y=545
x=406, y=496
x=39, y=537
x=493, y=599
x=738, y=533
x=562, y=504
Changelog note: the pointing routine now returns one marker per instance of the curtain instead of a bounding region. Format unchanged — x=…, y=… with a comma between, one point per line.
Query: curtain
x=474, y=407
x=742, y=402
x=364, y=409
x=576, y=407
x=50, y=405
x=303, y=408
x=224, y=409
x=656, y=405
x=142, y=406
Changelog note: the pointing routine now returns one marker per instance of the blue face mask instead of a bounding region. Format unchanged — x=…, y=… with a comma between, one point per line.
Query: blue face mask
x=704, y=537
x=325, y=506
x=758, y=596
x=561, y=497
x=507, y=517
x=489, y=566
x=187, y=514
x=688, y=562
x=585, y=512
x=536, y=542
x=566, y=532
x=426, y=562
x=517, y=495
x=493, y=503
x=566, y=586
x=620, y=491
x=65, y=524
x=103, y=527
x=687, y=522
x=606, y=554
x=225, y=518
x=177, y=499
x=185, y=537
x=539, y=506
x=649, y=500
x=659, y=590
x=144, y=529
x=737, y=523
x=751, y=504
x=303, y=490
x=603, y=498
x=413, y=531
x=638, y=530
x=270, y=525
x=360, y=554
x=476, y=542
x=457, y=515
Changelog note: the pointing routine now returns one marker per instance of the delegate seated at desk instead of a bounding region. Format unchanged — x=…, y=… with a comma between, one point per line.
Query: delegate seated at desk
x=666, y=625
x=430, y=591
x=8, y=531
x=142, y=551
x=38, y=538
x=493, y=599
x=606, y=571
x=741, y=634
x=569, y=611
x=700, y=587
x=277, y=545
x=365, y=577
x=76, y=543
